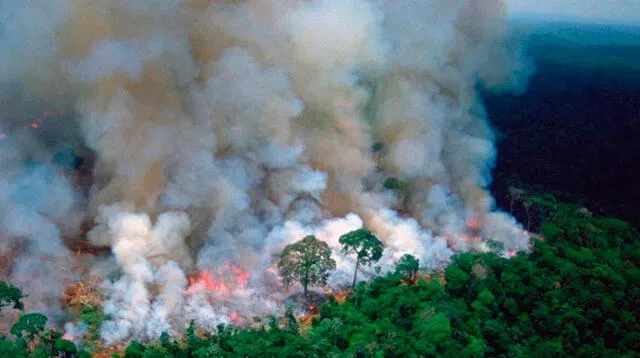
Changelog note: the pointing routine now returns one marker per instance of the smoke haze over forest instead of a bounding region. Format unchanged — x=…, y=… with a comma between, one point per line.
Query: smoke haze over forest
x=190, y=141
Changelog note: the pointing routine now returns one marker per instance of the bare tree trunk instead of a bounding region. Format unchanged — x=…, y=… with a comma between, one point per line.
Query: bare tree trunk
x=355, y=273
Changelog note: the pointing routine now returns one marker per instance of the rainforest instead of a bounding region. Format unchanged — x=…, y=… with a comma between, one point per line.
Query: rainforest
x=316, y=178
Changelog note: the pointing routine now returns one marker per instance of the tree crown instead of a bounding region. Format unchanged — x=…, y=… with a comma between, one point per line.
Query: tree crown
x=364, y=244
x=308, y=261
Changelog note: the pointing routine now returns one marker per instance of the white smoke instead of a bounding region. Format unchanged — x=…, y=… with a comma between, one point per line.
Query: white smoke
x=37, y=205
x=224, y=130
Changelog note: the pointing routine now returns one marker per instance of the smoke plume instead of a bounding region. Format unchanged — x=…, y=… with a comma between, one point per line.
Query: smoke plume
x=219, y=131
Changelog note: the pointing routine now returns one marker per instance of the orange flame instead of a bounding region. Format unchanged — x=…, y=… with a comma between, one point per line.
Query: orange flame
x=48, y=113
x=473, y=223
x=234, y=316
x=341, y=296
x=204, y=282
x=221, y=281
x=241, y=276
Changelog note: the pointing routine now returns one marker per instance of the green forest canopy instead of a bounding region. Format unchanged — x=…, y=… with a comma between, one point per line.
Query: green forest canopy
x=577, y=293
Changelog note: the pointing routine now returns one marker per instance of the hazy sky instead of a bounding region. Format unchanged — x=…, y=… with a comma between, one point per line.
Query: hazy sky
x=603, y=10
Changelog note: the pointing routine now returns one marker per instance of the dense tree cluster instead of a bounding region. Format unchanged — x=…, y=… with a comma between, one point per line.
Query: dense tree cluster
x=576, y=293
x=28, y=337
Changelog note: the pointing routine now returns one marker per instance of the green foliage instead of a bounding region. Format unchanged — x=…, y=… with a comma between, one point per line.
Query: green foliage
x=308, y=261
x=377, y=147
x=408, y=266
x=134, y=350
x=10, y=296
x=495, y=246
x=575, y=294
x=34, y=341
x=41, y=352
x=12, y=349
x=551, y=231
x=396, y=185
x=292, y=324
x=65, y=348
x=31, y=323
x=93, y=317
x=365, y=245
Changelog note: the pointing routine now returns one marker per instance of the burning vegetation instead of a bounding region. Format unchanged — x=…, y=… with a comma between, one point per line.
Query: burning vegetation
x=473, y=306
x=222, y=282
x=204, y=141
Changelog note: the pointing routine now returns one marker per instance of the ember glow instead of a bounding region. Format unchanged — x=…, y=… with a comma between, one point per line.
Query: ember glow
x=46, y=114
x=205, y=282
x=473, y=223
x=235, y=318
x=222, y=282
x=218, y=132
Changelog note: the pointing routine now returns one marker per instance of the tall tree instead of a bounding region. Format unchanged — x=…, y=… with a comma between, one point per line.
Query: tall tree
x=408, y=266
x=365, y=245
x=308, y=261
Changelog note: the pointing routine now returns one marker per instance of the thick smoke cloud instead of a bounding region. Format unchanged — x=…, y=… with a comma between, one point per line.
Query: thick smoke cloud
x=224, y=130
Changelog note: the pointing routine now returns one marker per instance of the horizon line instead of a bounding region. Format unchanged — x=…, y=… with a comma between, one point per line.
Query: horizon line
x=559, y=17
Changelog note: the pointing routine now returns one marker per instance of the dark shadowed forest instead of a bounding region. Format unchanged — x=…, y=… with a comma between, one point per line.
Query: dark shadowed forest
x=576, y=130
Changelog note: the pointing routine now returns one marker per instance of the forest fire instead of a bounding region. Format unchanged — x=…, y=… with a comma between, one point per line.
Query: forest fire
x=82, y=294
x=216, y=146
x=204, y=281
x=221, y=282
x=473, y=223
x=241, y=276
x=235, y=317
x=339, y=295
